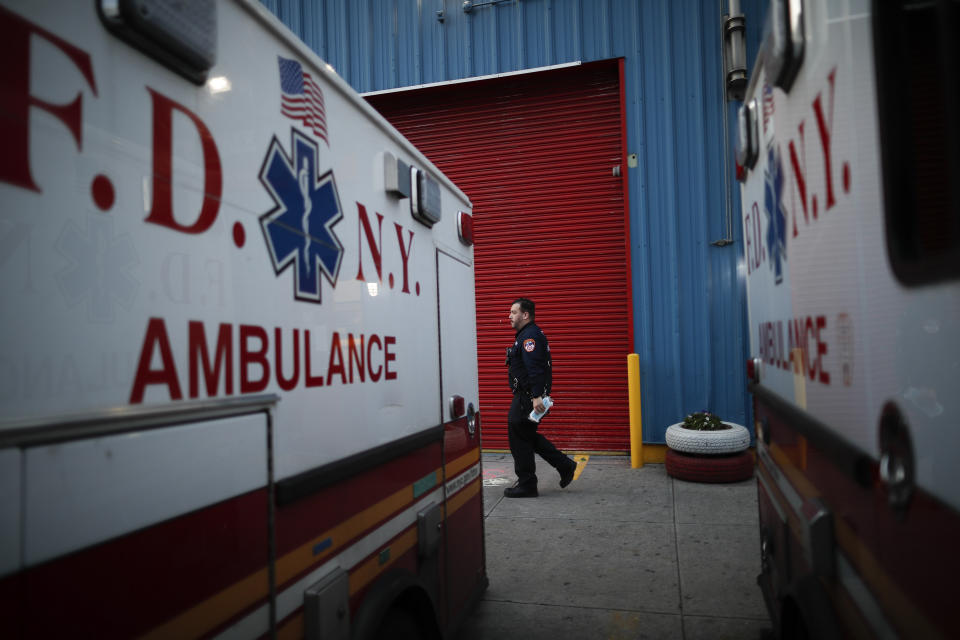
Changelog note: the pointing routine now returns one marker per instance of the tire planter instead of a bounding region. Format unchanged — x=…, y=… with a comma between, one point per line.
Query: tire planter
x=697, y=468
x=722, y=442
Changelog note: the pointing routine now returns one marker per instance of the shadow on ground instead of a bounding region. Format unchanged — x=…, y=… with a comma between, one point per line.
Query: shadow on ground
x=620, y=553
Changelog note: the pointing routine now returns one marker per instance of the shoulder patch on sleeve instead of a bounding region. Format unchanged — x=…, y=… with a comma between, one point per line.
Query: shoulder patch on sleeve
x=529, y=345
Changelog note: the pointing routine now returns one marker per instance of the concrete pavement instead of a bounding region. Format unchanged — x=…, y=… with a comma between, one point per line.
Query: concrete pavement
x=620, y=553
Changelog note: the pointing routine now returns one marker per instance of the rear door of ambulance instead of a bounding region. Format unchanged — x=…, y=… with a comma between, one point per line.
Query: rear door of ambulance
x=465, y=560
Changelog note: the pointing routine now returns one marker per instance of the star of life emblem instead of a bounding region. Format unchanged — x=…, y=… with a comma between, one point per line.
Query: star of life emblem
x=776, y=213
x=299, y=229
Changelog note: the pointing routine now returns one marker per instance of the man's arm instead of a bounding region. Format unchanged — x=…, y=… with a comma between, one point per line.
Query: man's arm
x=533, y=351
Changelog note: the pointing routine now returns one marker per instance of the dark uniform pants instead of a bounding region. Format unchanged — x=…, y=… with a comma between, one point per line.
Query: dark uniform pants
x=525, y=441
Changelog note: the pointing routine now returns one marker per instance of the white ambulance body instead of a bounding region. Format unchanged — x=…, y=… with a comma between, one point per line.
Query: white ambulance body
x=238, y=384
x=849, y=153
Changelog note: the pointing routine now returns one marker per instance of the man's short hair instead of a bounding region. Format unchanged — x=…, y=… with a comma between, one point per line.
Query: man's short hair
x=526, y=305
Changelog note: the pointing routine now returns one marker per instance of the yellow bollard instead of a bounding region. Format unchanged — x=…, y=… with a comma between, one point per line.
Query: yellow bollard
x=636, y=422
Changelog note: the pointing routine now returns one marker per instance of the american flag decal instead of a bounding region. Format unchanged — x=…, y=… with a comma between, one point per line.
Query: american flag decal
x=302, y=99
x=768, y=106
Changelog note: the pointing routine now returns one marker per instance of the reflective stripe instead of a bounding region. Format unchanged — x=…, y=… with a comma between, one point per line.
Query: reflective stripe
x=456, y=466
x=458, y=483
x=858, y=591
x=796, y=502
x=291, y=598
x=457, y=501
x=773, y=497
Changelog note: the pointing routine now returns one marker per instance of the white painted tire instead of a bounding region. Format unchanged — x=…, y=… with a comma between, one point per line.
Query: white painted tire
x=723, y=442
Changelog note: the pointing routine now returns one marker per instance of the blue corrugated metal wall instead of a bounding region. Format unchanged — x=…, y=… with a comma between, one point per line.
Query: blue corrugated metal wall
x=689, y=306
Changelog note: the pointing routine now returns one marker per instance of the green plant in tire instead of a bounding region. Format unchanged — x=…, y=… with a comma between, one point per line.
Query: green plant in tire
x=704, y=421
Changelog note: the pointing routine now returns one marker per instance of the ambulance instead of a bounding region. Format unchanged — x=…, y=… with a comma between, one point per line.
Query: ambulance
x=849, y=156
x=238, y=380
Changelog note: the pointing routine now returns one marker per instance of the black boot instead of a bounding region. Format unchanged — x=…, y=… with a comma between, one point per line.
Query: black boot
x=516, y=491
x=566, y=476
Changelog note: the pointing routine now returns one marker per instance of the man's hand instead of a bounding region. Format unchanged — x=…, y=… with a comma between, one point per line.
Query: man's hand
x=538, y=404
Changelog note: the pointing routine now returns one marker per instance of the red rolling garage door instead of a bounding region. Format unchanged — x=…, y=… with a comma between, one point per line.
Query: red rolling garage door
x=536, y=154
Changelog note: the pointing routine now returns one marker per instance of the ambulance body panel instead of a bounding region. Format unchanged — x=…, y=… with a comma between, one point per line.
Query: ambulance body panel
x=222, y=353
x=857, y=371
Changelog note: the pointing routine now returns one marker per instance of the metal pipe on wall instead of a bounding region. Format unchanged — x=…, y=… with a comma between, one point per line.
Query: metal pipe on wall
x=734, y=81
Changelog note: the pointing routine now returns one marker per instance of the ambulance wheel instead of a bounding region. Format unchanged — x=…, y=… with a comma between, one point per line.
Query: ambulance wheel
x=722, y=442
x=399, y=624
x=696, y=468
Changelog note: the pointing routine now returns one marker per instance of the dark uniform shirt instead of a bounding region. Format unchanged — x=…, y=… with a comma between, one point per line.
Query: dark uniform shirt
x=529, y=370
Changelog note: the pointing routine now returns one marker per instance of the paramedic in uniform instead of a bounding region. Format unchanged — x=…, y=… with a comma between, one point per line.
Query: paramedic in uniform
x=530, y=376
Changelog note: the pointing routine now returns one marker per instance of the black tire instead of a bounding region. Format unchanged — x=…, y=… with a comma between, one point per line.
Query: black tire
x=399, y=624
x=694, y=468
